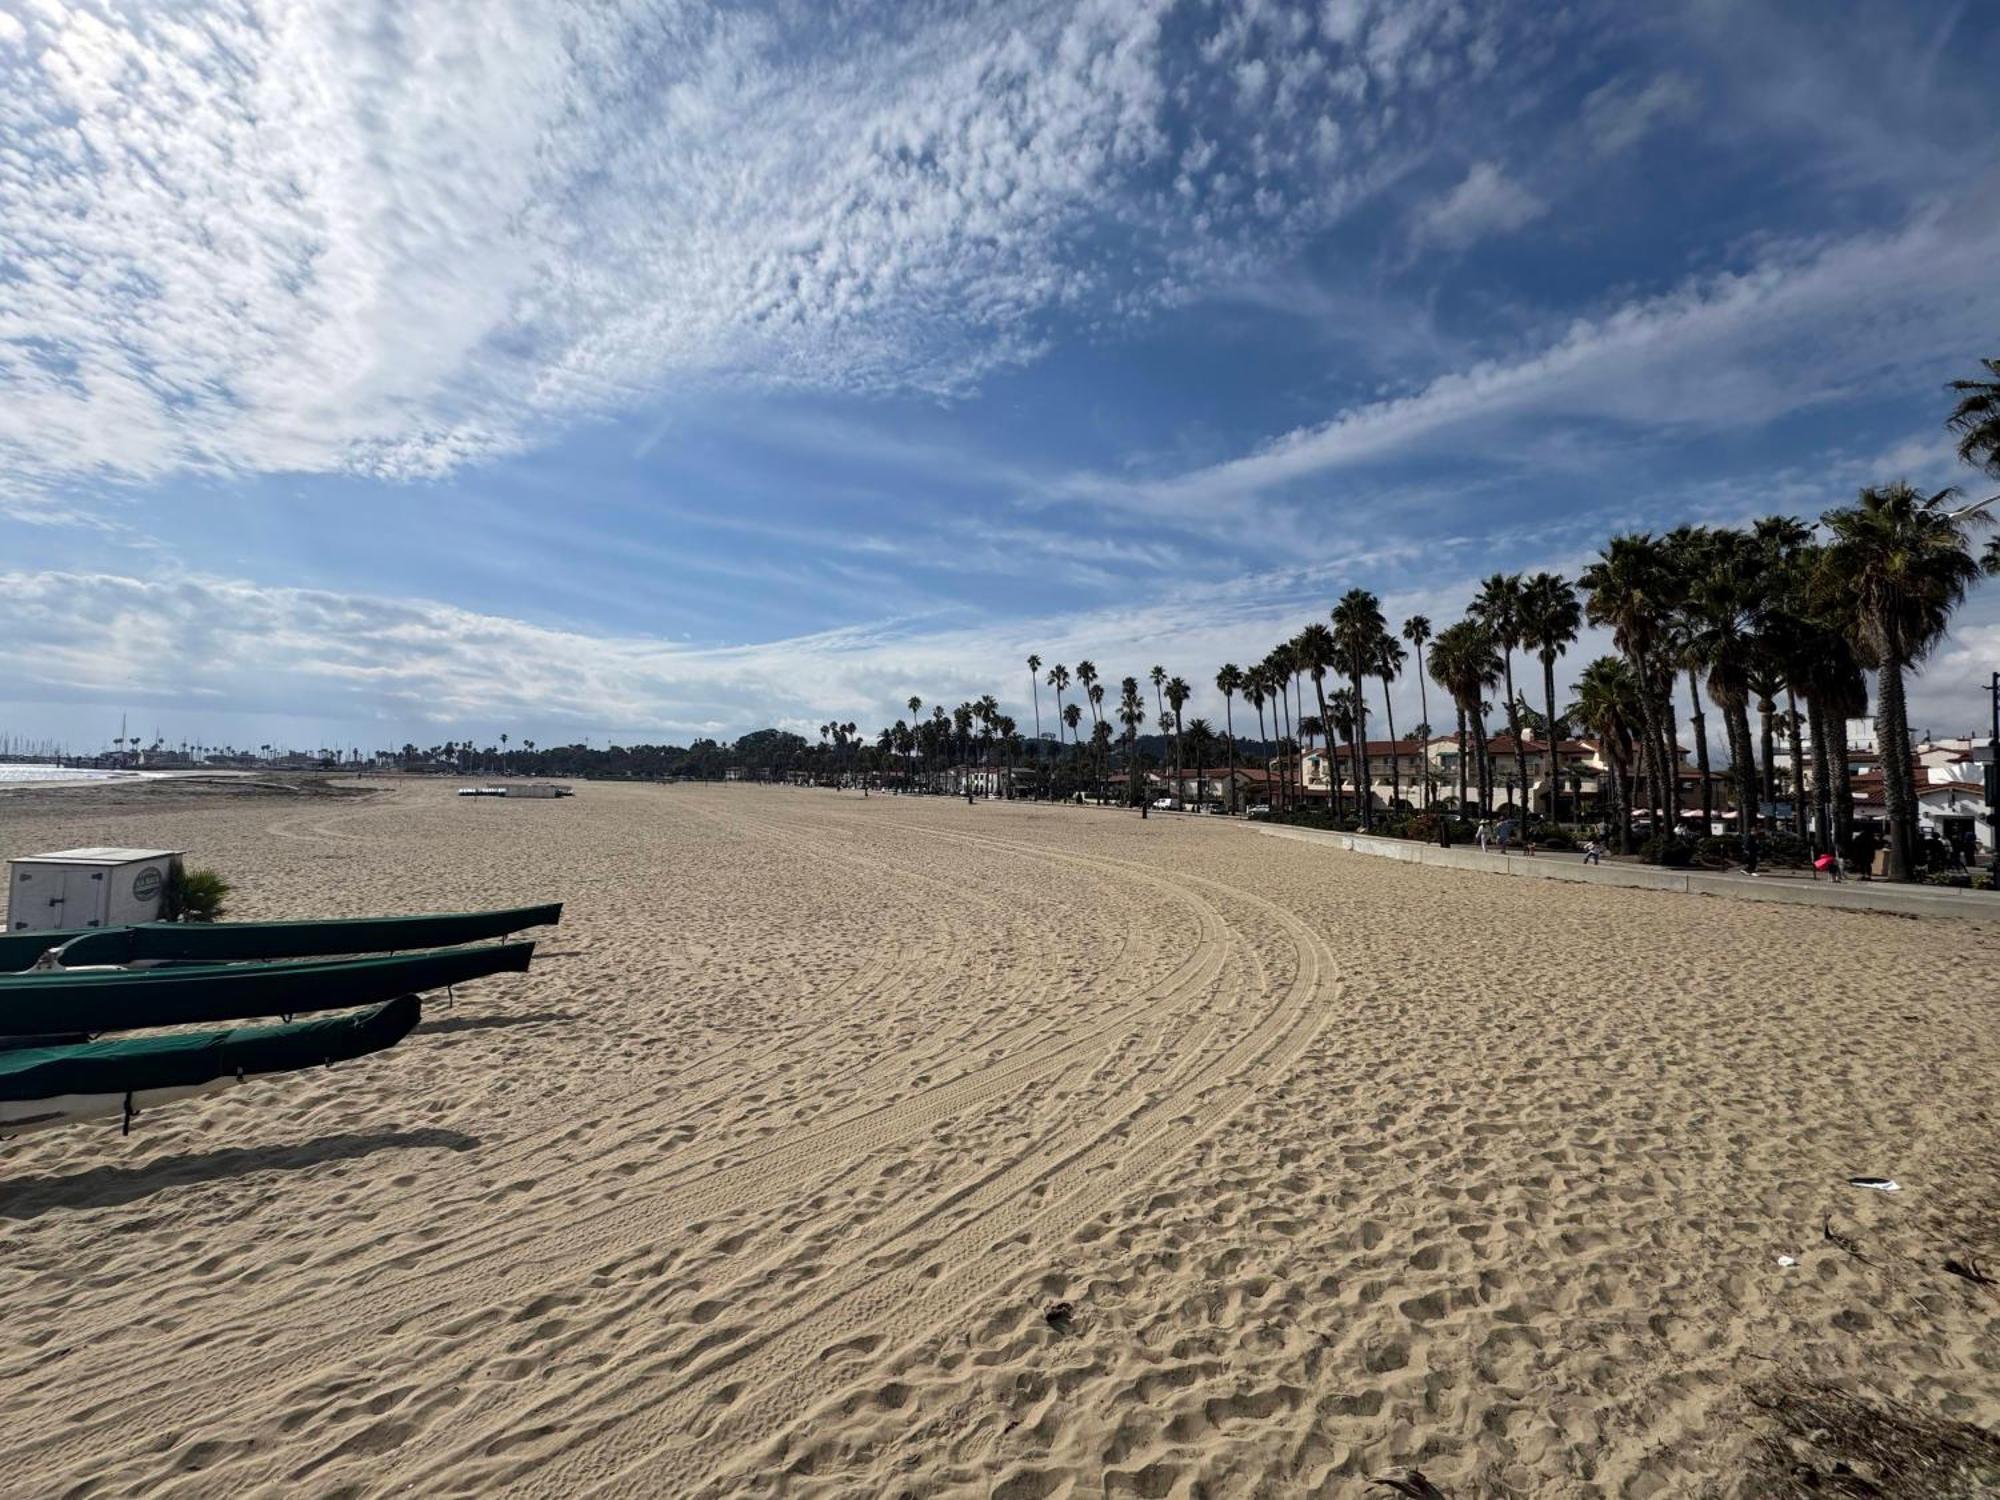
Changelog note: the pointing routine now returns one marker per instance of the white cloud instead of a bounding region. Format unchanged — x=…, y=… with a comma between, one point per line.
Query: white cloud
x=1487, y=202
x=396, y=238
x=1619, y=115
x=1800, y=328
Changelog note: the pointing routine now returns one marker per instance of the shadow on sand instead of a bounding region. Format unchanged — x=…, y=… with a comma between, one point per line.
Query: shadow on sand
x=449, y=1023
x=109, y=1186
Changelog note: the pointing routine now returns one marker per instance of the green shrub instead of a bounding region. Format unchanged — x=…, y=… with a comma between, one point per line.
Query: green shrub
x=1665, y=849
x=1554, y=838
x=197, y=896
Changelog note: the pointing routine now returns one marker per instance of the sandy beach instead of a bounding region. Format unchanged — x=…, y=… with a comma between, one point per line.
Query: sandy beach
x=777, y=1172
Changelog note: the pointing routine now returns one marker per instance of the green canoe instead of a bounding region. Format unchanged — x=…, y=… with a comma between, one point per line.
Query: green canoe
x=46, y=1001
x=44, y=1086
x=225, y=942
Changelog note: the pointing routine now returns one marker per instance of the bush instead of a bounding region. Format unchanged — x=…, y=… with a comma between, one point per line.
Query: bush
x=1424, y=828
x=1554, y=838
x=1665, y=849
x=197, y=896
x=1723, y=851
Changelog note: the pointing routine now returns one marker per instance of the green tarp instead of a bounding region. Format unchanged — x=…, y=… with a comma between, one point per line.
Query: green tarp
x=47, y=1001
x=222, y=942
x=198, y=1057
x=20, y=949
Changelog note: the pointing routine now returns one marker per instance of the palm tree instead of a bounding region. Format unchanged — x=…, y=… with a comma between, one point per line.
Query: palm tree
x=1550, y=619
x=1227, y=682
x=1131, y=713
x=1178, y=693
x=1159, y=677
x=1464, y=662
x=1341, y=722
x=1417, y=630
x=1388, y=665
x=1277, y=671
x=1086, y=673
x=1357, y=628
x=1201, y=742
x=1718, y=613
x=1690, y=553
x=1035, y=688
x=1976, y=419
x=1632, y=592
x=1607, y=704
x=1897, y=566
x=1314, y=647
x=1498, y=605
x=1785, y=542
x=1100, y=744
x=1072, y=715
x=1058, y=679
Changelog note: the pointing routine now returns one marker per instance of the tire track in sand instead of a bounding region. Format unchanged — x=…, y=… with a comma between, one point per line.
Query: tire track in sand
x=646, y=1444
x=779, y=1166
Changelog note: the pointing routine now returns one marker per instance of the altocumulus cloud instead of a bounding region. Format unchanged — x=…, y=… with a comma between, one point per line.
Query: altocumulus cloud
x=396, y=238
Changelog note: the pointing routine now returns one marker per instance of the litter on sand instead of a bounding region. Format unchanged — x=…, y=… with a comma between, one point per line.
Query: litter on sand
x=1879, y=1184
x=1787, y=1260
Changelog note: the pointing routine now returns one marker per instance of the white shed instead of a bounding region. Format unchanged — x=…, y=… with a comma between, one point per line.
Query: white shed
x=88, y=888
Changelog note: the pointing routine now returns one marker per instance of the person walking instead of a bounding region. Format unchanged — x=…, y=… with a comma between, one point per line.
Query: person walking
x=1593, y=852
x=1483, y=834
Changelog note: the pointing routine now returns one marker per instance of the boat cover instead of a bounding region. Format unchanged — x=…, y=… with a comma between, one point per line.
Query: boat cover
x=52, y=1000
x=193, y=1058
x=223, y=942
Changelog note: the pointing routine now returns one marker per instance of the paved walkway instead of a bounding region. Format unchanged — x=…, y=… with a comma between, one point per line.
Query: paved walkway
x=1855, y=895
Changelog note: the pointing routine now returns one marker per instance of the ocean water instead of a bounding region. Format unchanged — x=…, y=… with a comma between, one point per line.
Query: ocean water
x=13, y=773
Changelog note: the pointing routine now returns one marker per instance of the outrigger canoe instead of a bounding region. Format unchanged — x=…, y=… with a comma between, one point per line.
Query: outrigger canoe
x=45, y=1086
x=226, y=942
x=49, y=1001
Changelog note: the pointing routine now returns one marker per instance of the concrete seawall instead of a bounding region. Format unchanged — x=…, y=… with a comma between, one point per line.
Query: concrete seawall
x=1851, y=895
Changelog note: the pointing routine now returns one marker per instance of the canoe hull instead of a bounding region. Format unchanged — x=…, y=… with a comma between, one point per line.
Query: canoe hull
x=50, y=1086
x=54, y=1000
x=233, y=942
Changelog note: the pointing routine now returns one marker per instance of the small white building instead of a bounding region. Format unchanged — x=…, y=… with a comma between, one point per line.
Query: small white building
x=97, y=887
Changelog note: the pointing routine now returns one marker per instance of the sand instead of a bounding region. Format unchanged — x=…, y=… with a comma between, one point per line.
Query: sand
x=765, y=1179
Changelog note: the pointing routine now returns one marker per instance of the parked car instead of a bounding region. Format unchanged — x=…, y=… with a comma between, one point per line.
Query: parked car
x=1258, y=810
x=1166, y=804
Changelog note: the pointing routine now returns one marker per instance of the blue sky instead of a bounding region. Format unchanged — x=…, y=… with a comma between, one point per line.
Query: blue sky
x=408, y=371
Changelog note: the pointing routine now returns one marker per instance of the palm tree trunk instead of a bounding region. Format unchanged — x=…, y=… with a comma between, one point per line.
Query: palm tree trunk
x=1555, y=738
x=1479, y=742
x=1892, y=735
x=1670, y=738
x=1798, y=764
x=1424, y=708
x=1839, y=780
x=1261, y=740
x=1743, y=763
x=1649, y=736
x=1698, y=726
x=1767, y=743
x=1229, y=725
x=1286, y=765
x=1459, y=811
x=1621, y=801
x=1821, y=801
x=1395, y=761
x=1364, y=802
x=1326, y=728
x=1514, y=728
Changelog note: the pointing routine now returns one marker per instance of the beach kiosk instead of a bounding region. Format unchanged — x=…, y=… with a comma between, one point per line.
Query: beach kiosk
x=88, y=888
